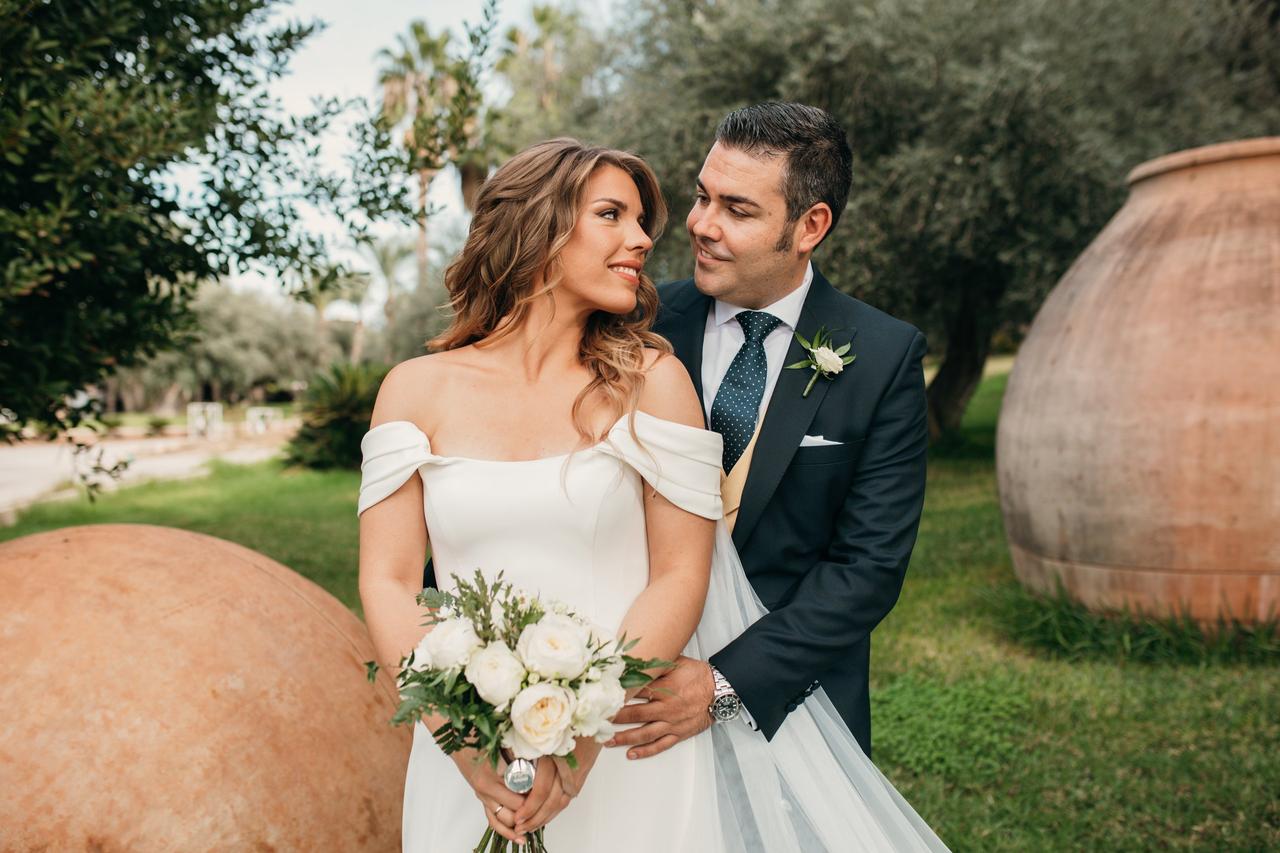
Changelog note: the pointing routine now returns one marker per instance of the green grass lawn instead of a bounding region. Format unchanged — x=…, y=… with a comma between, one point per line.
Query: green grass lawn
x=305, y=519
x=998, y=746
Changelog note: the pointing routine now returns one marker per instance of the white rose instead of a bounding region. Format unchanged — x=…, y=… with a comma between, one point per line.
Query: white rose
x=450, y=643
x=496, y=674
x=422, y=655
x=554, y=647
x=598, y=701
x=541, y=718
x=828, y=360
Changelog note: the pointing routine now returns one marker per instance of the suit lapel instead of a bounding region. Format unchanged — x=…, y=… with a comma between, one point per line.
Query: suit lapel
x=789, y=413
x=685, y=326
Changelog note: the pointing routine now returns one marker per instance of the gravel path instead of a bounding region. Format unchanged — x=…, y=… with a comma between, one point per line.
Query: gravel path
x=38, y=470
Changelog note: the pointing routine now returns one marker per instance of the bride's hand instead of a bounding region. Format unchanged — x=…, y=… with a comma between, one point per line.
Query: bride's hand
x=586, y=752
x=546, y=799
x=500, y=803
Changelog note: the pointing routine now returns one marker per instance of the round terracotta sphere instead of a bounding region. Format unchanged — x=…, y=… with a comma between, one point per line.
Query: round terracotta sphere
x=166, y=690
x=1138, y=451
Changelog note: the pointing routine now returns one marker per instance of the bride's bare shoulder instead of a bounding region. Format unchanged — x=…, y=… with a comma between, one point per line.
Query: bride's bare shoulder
x=413, y=388
x=668, y=391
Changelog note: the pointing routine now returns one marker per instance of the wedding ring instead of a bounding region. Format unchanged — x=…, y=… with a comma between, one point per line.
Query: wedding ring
x=499, y=807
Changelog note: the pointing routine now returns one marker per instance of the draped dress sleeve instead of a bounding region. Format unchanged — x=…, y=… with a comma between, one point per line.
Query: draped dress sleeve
x=681, y=463
x=392, y=453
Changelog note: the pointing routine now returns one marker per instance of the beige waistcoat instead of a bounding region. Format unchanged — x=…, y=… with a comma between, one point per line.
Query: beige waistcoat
x=731, y=484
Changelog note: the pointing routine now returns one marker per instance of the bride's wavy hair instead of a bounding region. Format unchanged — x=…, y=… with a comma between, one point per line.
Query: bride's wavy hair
x=524, y=215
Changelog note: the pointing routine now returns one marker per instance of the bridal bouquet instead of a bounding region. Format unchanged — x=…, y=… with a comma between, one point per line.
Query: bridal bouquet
x=513, y=672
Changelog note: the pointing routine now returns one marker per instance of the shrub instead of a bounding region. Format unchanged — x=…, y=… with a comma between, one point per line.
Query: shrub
x=335, y=411
x=156, y=425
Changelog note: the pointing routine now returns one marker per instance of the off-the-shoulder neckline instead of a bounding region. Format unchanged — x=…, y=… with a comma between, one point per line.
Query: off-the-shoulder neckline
x=559, y=456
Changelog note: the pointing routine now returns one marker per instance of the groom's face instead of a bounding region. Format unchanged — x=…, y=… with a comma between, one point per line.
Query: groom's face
x=739, y=232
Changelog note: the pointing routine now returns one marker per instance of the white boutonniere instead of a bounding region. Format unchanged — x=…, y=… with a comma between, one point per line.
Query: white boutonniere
x=823, y=360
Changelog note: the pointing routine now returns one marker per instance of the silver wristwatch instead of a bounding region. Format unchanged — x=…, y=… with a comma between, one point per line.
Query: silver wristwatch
x=725, y=704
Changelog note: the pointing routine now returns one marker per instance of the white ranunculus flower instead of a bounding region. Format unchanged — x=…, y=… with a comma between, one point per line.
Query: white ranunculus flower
x=541, y=722
x=496, y=673
x=451, y=643
x=598, y=701
x=828, y=360
x=555, y=647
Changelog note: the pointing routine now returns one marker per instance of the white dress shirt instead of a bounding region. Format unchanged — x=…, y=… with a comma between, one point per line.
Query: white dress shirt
x=724, y=337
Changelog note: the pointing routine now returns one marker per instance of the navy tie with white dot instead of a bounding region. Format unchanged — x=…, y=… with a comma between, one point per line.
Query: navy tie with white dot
x=737, y=403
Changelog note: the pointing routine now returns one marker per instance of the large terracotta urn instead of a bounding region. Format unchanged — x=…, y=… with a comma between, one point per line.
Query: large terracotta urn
x=1138, y=450
x=165, y=690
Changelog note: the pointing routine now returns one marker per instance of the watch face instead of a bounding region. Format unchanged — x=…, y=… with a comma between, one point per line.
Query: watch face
x=726, y=707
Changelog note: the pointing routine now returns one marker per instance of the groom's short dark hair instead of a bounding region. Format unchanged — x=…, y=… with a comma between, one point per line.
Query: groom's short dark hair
x=819, y=163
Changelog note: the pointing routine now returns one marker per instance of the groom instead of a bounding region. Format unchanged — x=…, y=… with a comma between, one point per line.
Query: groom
x=823, y=489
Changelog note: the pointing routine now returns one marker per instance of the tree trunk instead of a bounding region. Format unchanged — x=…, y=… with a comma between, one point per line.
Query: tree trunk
x=322, y=325
x=472, y=176
x=133, y=396
x=357, y=342
x=424, y=184
x=171, y=402
x=110, y=396
x=969, y=327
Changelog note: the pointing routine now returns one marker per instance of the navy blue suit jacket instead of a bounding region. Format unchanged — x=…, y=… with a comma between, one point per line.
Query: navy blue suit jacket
x=824, y=532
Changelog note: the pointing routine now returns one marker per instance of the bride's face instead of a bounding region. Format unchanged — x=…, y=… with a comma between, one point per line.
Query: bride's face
x=601, y=262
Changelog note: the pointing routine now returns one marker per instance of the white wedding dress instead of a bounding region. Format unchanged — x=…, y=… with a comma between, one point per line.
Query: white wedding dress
x=572, y=528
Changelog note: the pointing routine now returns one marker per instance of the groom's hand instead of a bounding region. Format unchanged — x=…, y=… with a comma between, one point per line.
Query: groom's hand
x=676, y=709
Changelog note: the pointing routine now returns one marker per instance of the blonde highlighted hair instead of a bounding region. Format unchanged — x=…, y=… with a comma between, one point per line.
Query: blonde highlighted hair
x=524, y=215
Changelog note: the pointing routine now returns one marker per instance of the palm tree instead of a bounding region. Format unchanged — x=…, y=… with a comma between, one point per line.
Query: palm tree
x=419, y=79
x=337, y=284
x=387, y=257
x=551, y=27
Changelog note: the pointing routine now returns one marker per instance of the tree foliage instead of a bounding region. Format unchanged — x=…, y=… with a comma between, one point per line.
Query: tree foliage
x=991, y=137
x=142, y=156
x=241, y=344
x=556, y=74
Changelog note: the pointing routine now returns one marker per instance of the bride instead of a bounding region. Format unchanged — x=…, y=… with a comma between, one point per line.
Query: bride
x=557, y=440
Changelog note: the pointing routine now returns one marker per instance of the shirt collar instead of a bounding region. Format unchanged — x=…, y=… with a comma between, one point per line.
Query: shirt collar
x=787, y=309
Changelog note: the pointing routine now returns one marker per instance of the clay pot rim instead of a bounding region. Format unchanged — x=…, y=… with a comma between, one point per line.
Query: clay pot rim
x=1204, y=155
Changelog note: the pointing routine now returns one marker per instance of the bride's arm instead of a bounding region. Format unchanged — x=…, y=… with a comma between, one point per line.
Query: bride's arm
x=664, y=616
x=393, y=546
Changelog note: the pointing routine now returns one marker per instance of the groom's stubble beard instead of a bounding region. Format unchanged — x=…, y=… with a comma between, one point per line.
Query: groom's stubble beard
x=786, y=239
x=760, y=295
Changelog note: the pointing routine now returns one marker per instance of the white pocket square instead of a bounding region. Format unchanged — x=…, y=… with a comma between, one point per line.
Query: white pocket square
x=817, y=441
